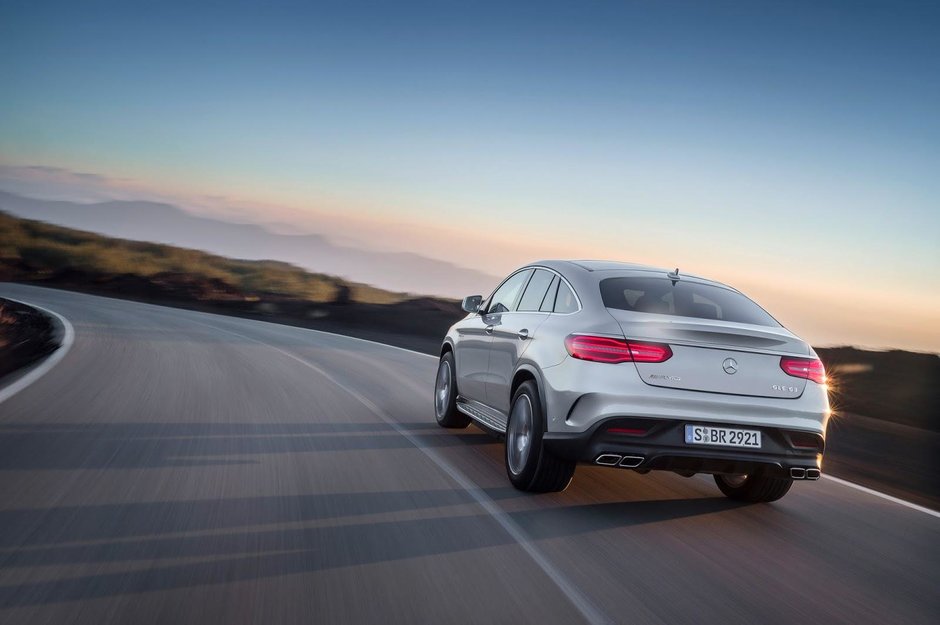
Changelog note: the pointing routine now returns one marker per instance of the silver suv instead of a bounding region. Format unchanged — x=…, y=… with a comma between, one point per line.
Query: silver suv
x=630, y=366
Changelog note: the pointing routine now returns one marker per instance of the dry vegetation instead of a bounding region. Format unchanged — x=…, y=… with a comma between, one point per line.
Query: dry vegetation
x=25, y=336
x=7, y=319
x=44, y=249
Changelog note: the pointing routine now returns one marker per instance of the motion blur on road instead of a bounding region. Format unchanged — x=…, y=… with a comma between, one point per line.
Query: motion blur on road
x=181, y=467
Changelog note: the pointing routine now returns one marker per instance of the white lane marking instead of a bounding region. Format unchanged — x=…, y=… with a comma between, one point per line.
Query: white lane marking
x=218, y=315
x=892, y=499
x=52, y=360
x=578, y=599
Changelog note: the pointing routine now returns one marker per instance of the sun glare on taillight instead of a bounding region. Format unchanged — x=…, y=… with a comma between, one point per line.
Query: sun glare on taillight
x=649, y=352
x=611, y=350
x=808, y=368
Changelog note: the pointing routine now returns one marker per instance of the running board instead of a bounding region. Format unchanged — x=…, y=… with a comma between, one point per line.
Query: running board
x=483, y=414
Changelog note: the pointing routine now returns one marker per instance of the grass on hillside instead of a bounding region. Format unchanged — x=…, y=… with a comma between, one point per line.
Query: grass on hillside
x=48, y=248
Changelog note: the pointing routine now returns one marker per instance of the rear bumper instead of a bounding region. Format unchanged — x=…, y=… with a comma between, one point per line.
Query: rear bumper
x=663, y=447
x=580, y=394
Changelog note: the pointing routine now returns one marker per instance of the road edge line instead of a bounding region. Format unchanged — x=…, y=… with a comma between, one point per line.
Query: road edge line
x=891, y=498
x=50, y=361
x=212, y=314
x=345, y=336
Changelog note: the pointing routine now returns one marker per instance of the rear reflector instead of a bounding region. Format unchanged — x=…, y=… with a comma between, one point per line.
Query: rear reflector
x=611, y=350
x=808, y=368
x=627, y=431
x=806, y=440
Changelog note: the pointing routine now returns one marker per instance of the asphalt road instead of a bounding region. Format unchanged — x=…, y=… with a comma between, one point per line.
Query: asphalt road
x=178, y=467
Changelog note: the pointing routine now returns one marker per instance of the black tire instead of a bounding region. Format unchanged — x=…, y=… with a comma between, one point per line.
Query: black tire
x=445, y=400
x=755, y=488
x=537, y=470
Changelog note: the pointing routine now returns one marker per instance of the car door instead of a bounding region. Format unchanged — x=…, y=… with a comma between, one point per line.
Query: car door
x=502, y=300
x=472, y=357
x=475, y=334
x=513, y=330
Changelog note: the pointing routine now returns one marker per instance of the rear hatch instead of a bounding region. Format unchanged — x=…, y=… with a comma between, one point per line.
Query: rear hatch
x=716, y=356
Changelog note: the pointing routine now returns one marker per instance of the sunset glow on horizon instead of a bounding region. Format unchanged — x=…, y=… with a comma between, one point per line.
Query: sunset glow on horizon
x=791, y=152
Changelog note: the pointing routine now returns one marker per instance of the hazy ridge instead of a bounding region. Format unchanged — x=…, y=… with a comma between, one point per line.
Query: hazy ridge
x=169, y=224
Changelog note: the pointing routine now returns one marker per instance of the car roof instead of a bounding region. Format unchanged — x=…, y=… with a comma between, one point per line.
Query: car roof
x=597, y=265
x=583, y=273
x=612, y=265
x=605, y=265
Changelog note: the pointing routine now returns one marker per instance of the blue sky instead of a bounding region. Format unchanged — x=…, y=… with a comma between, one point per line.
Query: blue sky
x=764, y=143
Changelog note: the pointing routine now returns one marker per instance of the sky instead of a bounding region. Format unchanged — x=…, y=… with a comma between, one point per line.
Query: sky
x=789, y=149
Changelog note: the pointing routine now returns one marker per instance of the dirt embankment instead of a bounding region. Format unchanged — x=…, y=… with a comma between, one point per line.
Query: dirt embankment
x=885, y=432
x=26, y=336
x=418, y=323
x=891, y=457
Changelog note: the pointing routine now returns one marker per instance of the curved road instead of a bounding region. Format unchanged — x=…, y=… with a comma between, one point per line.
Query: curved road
x=179, y=467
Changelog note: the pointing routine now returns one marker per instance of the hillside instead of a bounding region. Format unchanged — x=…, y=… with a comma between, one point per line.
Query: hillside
x=33, y=251
x=898, y=386
x=171, y=225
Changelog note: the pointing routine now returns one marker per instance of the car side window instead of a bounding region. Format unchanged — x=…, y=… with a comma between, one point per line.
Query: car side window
x=535, y=291
x=565, y=301
x=505, y=297
x=548, y=302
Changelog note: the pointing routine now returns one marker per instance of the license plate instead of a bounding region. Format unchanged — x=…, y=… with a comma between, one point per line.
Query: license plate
x=727, y=437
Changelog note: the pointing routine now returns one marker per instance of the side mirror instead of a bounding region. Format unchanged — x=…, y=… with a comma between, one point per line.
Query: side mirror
x=472, y=303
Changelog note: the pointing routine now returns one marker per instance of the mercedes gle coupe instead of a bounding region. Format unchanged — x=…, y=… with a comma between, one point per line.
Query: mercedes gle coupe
x=629, y=366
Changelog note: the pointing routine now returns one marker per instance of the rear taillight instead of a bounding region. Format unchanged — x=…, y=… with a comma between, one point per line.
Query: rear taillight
x=611, y=350
x=809, y=368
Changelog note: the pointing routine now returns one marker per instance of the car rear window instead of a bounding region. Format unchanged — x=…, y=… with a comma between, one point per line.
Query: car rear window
x=548, y=303
x=535, y=291
x=682, y=298
x=565, y=301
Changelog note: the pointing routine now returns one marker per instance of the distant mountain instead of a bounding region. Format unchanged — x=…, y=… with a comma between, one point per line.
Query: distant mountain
x=165, y=223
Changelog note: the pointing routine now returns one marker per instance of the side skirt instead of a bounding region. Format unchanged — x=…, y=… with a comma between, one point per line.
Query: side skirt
x=489, y=418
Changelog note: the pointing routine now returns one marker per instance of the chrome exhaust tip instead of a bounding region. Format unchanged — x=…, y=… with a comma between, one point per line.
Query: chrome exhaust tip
x=812, y=474
x=629, y=462
x=797, y=473
x=607, y=460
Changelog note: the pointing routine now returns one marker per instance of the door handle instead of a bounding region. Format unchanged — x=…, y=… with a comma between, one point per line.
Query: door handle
x=489, y=329
x=523, y=334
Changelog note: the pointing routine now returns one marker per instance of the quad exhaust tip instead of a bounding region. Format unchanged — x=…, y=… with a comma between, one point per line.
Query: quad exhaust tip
x=615, y=460
x=799, y=473
x=631, y=461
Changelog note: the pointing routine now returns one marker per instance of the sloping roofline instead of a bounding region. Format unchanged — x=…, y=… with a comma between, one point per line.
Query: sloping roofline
x=609, y=265
x=595, y=266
